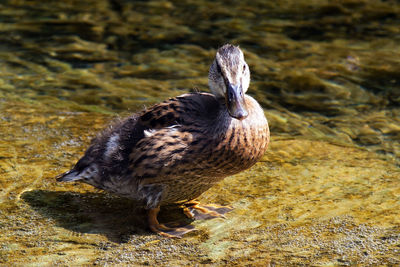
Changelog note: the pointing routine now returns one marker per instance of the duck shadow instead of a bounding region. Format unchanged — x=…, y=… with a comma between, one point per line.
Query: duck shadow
x=97, y=213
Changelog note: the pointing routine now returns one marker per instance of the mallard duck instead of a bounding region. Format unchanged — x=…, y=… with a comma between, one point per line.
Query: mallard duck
x=175, y=150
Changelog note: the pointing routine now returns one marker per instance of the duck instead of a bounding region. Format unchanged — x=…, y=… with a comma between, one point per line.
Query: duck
x=172, y=152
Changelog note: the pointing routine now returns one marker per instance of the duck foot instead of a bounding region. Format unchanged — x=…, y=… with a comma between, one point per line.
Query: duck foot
x=164, y=230
x=194, y=210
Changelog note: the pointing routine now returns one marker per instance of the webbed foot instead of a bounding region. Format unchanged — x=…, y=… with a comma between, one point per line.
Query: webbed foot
x=194, y=210
x=166, y=231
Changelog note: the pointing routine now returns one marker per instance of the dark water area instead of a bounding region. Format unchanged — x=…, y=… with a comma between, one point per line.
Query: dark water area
x=327, y=192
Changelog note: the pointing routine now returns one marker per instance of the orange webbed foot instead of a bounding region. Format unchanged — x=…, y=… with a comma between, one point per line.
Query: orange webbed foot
x=194, y=210
x=164, y=230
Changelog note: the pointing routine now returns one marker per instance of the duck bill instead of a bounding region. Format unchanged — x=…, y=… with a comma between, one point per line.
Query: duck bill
x=235, y=102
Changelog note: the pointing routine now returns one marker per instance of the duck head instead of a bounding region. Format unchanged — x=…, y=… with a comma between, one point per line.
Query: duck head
x=229, y=78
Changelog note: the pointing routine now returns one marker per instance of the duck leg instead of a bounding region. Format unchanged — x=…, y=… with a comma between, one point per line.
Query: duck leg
x=164, y=230
x=194, y=210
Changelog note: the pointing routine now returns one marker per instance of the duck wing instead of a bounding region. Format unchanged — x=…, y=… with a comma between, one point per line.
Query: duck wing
x=161, y=131
x=176, y=131
x=183, y=110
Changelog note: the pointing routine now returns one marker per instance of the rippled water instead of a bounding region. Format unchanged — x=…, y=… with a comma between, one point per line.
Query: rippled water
x=326, y=72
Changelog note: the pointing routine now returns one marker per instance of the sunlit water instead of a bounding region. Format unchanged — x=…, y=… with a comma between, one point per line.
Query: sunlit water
x=327, y=192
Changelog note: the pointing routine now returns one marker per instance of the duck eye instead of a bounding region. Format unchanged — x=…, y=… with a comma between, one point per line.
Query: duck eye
x=218, y=68
x=244, y=68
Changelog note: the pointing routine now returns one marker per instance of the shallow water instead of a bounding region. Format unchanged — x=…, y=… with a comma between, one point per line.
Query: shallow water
x=327, y=192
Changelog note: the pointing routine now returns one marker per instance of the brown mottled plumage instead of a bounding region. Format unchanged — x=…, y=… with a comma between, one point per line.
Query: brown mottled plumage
x=176, y=150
